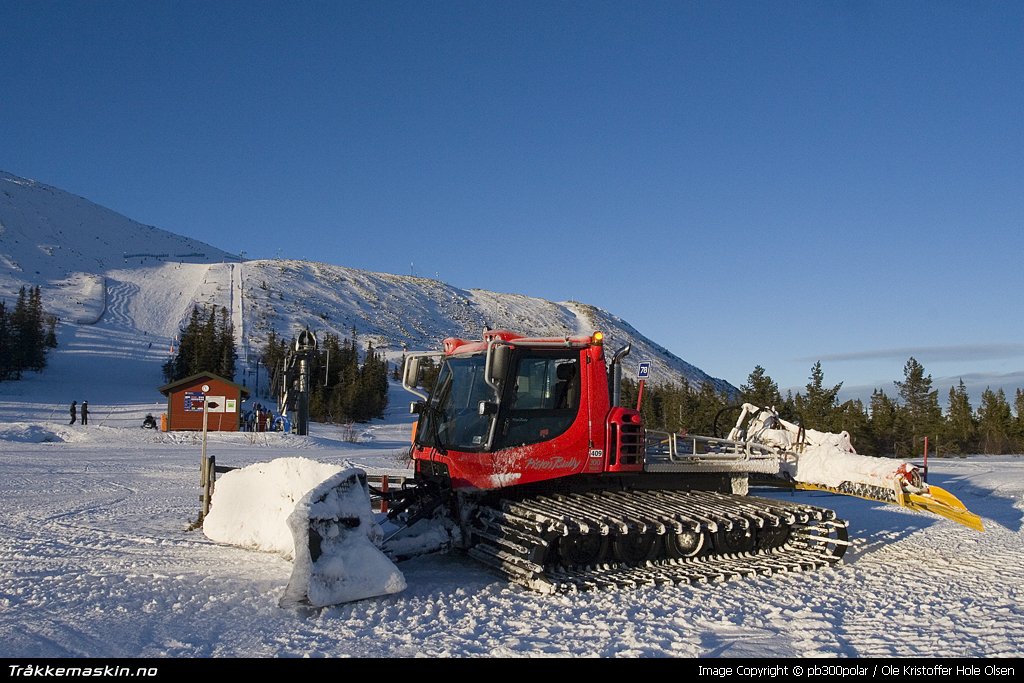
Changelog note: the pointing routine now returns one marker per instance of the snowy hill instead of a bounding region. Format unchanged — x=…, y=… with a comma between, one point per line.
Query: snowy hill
x=49, y=235
x=124, y=289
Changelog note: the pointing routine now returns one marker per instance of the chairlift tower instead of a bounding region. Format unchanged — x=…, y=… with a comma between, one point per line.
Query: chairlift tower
x=303, y=348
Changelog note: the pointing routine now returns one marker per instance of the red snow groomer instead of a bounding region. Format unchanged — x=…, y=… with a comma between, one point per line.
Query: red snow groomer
x=523, y=451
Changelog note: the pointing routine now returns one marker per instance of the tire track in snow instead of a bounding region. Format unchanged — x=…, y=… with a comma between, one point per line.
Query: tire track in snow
x=119, y=298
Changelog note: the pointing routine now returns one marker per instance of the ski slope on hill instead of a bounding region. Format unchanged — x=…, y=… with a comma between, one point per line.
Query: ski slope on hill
x=97, y=267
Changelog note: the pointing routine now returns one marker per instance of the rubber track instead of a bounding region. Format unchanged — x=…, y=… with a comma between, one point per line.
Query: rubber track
x=513, y=536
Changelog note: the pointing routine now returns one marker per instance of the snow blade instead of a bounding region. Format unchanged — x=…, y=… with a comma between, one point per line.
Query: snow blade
x=942, y=502
x=931, y=499
x=337, y=546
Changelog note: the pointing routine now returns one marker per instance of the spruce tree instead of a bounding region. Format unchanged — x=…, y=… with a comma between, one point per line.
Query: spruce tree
x=326, y=378
x=26, y=334
x=884, y=423
x=272, y=356
x=961, y=426
x=19, y=323
x=675, y=406
x=819, y=407
x=190, y=346
x=370, y=394
x=853, y=417
x=35, y=332
x=206, y=344
x=688, y=409
x=225, y=343
x=711, y=413
x=179, y=365
x=378, y=378
x=51, y=332
x=345, y=395
x=670, y=408
x=273, y=353
x=921, y=411
x=1018, y=422
x=761, y=390
x=209, y=351
x=629, y=389
x=6, y=353
x=995, y=423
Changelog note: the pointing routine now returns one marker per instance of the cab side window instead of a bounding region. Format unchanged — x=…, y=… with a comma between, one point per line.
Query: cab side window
x=544, y=399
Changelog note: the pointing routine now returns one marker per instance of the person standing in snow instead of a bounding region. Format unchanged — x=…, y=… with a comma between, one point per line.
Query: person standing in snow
x=85, y=412
x=74, y=412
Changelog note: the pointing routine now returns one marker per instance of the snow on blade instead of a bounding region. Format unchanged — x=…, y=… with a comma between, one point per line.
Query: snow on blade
x=337, y=554
x=814, y=457
x=827, y=465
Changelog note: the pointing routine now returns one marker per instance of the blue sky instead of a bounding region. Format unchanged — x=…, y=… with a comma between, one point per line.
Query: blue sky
x=746, y=183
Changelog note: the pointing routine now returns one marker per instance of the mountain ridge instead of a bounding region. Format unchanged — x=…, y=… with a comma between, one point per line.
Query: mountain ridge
x=121, y=279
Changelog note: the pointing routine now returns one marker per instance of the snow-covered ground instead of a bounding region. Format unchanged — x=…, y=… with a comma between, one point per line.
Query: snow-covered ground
x=97, y=561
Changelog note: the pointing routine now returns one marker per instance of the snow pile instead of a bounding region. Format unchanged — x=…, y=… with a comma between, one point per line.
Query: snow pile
x=272, y=506
x=251, y=505
x=29, y=433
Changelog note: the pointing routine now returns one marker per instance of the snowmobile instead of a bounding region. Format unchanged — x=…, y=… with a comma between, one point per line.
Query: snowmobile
x=525, y=459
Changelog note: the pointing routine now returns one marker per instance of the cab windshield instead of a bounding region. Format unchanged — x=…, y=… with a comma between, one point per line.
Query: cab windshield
x=540, y=400
x=451, y=418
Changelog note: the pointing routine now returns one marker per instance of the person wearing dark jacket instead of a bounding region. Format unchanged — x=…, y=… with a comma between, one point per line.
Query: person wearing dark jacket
x=74, y=412
x=85, y=412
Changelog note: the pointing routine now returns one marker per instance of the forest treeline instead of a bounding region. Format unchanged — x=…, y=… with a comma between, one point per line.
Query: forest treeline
x=205, y=344
x=352, y=385
x=345, y=385
x=27, y=332
x=889, y=425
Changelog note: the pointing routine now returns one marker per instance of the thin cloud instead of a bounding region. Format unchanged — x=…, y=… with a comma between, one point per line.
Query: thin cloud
x=975, y=383
x=963, y=352
x=994, y=380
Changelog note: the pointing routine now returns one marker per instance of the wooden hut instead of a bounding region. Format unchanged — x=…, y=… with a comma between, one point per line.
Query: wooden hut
x=186, y=398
